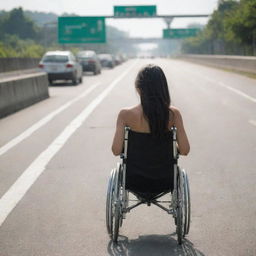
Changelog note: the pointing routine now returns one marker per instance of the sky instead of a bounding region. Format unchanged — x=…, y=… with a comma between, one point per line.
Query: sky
x=135, y=27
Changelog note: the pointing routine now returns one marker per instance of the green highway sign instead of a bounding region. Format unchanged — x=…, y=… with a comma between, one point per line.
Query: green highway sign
x=135, y=11
x=81, y=30
x=180, y=33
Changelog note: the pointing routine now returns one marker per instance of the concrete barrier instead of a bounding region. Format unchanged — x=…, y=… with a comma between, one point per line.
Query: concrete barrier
x=237, y=63
x=22, y=91
x=13, y=64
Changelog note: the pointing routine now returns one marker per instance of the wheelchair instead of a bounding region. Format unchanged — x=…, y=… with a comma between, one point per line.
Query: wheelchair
x=118, y=203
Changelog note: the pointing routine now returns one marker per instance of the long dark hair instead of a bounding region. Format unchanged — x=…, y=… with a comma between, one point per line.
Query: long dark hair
x=155, y=98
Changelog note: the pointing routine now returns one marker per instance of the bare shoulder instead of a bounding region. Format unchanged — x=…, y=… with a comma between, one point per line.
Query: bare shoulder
x=176, y=112
x=126, y=113
x=174, y=109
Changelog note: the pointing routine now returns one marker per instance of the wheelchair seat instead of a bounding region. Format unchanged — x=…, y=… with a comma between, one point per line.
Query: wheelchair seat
x=149, y=164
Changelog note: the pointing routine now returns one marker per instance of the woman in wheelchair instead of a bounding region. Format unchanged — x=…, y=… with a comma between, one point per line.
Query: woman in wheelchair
x=148, y=137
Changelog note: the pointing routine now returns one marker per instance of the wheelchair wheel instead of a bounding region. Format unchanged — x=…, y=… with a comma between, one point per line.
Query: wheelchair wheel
x=179, y=210
x=187, y=205
x=109, y=203
x=113, y=203
x=117, y=204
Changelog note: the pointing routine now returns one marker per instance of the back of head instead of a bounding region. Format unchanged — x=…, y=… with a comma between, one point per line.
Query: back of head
x=155, y=99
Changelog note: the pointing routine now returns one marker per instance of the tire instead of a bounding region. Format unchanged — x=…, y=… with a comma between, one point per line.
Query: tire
x=117, y=205
x=74, y=80
x=81, y=80
x=116, y=222
x=179, y=211
x=113, y=205
x=109, y=204
x=179, y=225
x=187, y=204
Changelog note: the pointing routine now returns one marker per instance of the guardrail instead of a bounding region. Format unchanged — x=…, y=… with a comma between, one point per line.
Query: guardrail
x=14, y=64
x=237, y=63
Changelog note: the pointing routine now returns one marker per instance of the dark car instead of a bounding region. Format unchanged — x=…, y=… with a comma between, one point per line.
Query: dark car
x=118, y=60
x=89, y=61
x=107, y=60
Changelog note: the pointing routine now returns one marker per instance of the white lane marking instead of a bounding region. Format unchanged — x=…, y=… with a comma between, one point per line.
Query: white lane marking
x=253, y=122
x=43, y=121
x=222, y=84
x=246, y=96
x=16, y=192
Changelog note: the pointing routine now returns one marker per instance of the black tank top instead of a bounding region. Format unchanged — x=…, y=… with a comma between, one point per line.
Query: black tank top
x=149, y=162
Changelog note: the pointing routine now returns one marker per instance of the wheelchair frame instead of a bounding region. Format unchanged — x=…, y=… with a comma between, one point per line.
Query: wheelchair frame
x=117, y=203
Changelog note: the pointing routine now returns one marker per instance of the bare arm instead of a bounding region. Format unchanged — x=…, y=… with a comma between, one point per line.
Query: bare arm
x=117, y=145
x=182, y=139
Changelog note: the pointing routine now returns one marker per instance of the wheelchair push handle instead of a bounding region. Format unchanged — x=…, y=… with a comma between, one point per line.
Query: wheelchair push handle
x=175, y=148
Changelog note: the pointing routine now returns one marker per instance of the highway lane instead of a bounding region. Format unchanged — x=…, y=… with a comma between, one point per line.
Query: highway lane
x=63, y=213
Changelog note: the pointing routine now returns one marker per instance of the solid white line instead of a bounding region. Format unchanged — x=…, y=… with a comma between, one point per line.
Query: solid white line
x=246, y=96
x=43, y=121
x=253, y=122
x=16, y=192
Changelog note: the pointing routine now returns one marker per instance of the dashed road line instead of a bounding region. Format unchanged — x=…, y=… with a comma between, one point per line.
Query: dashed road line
x=44, y=121
x=246, y=96
x=253, y=122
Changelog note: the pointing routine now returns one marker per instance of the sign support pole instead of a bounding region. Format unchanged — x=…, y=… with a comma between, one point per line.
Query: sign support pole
x=168, y=22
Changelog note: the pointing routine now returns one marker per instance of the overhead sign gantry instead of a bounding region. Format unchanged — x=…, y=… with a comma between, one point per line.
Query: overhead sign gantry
x=81, y=30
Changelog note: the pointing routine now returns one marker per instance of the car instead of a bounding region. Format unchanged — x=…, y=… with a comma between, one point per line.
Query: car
x=107, y=60
x=117, y=59
x=61, y=65
x=89, y=61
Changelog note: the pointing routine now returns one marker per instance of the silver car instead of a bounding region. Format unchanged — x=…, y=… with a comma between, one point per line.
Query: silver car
x=61, y=65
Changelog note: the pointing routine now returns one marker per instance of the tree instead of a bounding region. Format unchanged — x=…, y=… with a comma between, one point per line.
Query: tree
x=241, y=24
x=16, y=23
x=230, y=30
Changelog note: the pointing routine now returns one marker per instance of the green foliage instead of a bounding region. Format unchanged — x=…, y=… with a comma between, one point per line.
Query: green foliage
x=41, y=18
x=16, y=23
x=230, y=30
x=13, y=46
x=242, y=22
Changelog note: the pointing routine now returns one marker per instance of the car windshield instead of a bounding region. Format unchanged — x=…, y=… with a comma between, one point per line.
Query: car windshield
x=55, y=58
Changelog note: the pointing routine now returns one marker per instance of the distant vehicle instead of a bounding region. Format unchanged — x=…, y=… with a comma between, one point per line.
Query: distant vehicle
x=89, y=61
x=61, y=65
x=107, y=60
x=118, y=60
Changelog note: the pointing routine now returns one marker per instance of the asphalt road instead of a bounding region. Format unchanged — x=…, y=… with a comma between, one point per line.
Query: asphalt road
x=55, y=161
